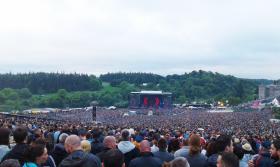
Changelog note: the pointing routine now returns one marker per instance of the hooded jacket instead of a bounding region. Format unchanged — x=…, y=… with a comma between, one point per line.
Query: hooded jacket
x=59, y=153
x=263, y=160
x=212, y=160
x=3, y=151
x=17, y=153
x=80, y=159
x=146, y=160
x=129, y=151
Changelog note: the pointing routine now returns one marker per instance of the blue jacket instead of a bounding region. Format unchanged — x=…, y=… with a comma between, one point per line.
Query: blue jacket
x=212, y=160
x=197, y=160
x=30, y=164
x=263, y=160
x=146, y=160
x=80, y=159
x=164, y=155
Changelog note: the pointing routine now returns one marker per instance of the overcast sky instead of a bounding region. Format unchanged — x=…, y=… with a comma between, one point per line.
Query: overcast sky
x=237, y=37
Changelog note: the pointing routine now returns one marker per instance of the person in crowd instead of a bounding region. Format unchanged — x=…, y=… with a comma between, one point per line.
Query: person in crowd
x=4, y=142
x=222, y=144
x=127, y=148
x=227, y=159
x=82, y=134
x=254, y=143
x=113, y=158
x=50, y=161
x=77, y=156
x=177, y=162
x=184, y=150
x=238, y=151
x=174, y=145
x=59, y=152
x=97, y=142
x=64, y=129
x=195, y=158
x=34, y=135
x=35, y=155
x=248, y=152
x=109, y=143
x=210, y=147
x=146, y=159
x=162, y=153
x=20, y=136
x=10, y=163
x=86, y=146
x=154, y=147
x=56, y=134
x=275, y=152
x=263, y=159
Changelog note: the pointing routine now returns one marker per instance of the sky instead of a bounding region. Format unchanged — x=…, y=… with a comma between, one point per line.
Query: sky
x=235, y=37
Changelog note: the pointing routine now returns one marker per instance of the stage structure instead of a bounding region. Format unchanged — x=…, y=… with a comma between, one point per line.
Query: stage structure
x=93, y=111
x=150, y=99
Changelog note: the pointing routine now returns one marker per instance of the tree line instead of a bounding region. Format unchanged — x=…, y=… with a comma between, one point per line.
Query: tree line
x=40, y=83
x=59, y=90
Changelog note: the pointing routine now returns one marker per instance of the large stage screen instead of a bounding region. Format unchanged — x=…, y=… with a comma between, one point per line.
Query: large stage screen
x=150, y=99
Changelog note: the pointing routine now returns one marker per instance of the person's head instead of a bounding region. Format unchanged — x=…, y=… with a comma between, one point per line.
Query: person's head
x=39, y=141
x=162, y=144
x=210, y=148
x=113, y=158
x=167, y=136
x=227, y=159
x=247, y=148
x=86, y=146
x=20, y=134
x=62, y=138
x=36, y=153
x=72, y=143
x=145, y=146
x=29, y=126
x=10, y=163
x=82, y=133
x=224, y=143
x=179, y=162
x=194, y=144
x=238, y=151
x=265, y=146
x=125, y=135
x=37, y=133
x=4, y=136
x=275, y=149
x=109, y=142
x=65, y=128
x=174, y=145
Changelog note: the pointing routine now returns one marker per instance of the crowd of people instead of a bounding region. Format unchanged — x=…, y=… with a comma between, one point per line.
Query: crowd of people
x=181, y=137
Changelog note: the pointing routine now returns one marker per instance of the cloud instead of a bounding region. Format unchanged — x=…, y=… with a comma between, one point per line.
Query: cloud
x=151, y=36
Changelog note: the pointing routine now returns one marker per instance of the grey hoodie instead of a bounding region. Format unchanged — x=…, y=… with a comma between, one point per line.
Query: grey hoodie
x=125, y=146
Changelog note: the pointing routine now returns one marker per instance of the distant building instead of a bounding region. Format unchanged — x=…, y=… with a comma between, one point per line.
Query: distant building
x=262, y=90
x=269, y=91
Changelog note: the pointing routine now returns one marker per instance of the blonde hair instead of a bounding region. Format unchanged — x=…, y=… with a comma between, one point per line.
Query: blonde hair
x=86, y=146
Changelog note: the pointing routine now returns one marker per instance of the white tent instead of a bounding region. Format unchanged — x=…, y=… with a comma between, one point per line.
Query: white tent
x=275, y=102
x=112, y=108
x=150, y=113
x=132, y=112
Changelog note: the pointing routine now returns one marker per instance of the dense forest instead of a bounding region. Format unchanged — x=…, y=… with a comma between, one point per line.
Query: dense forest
x=40, y=83
x=134, y=78
x=59, y=90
